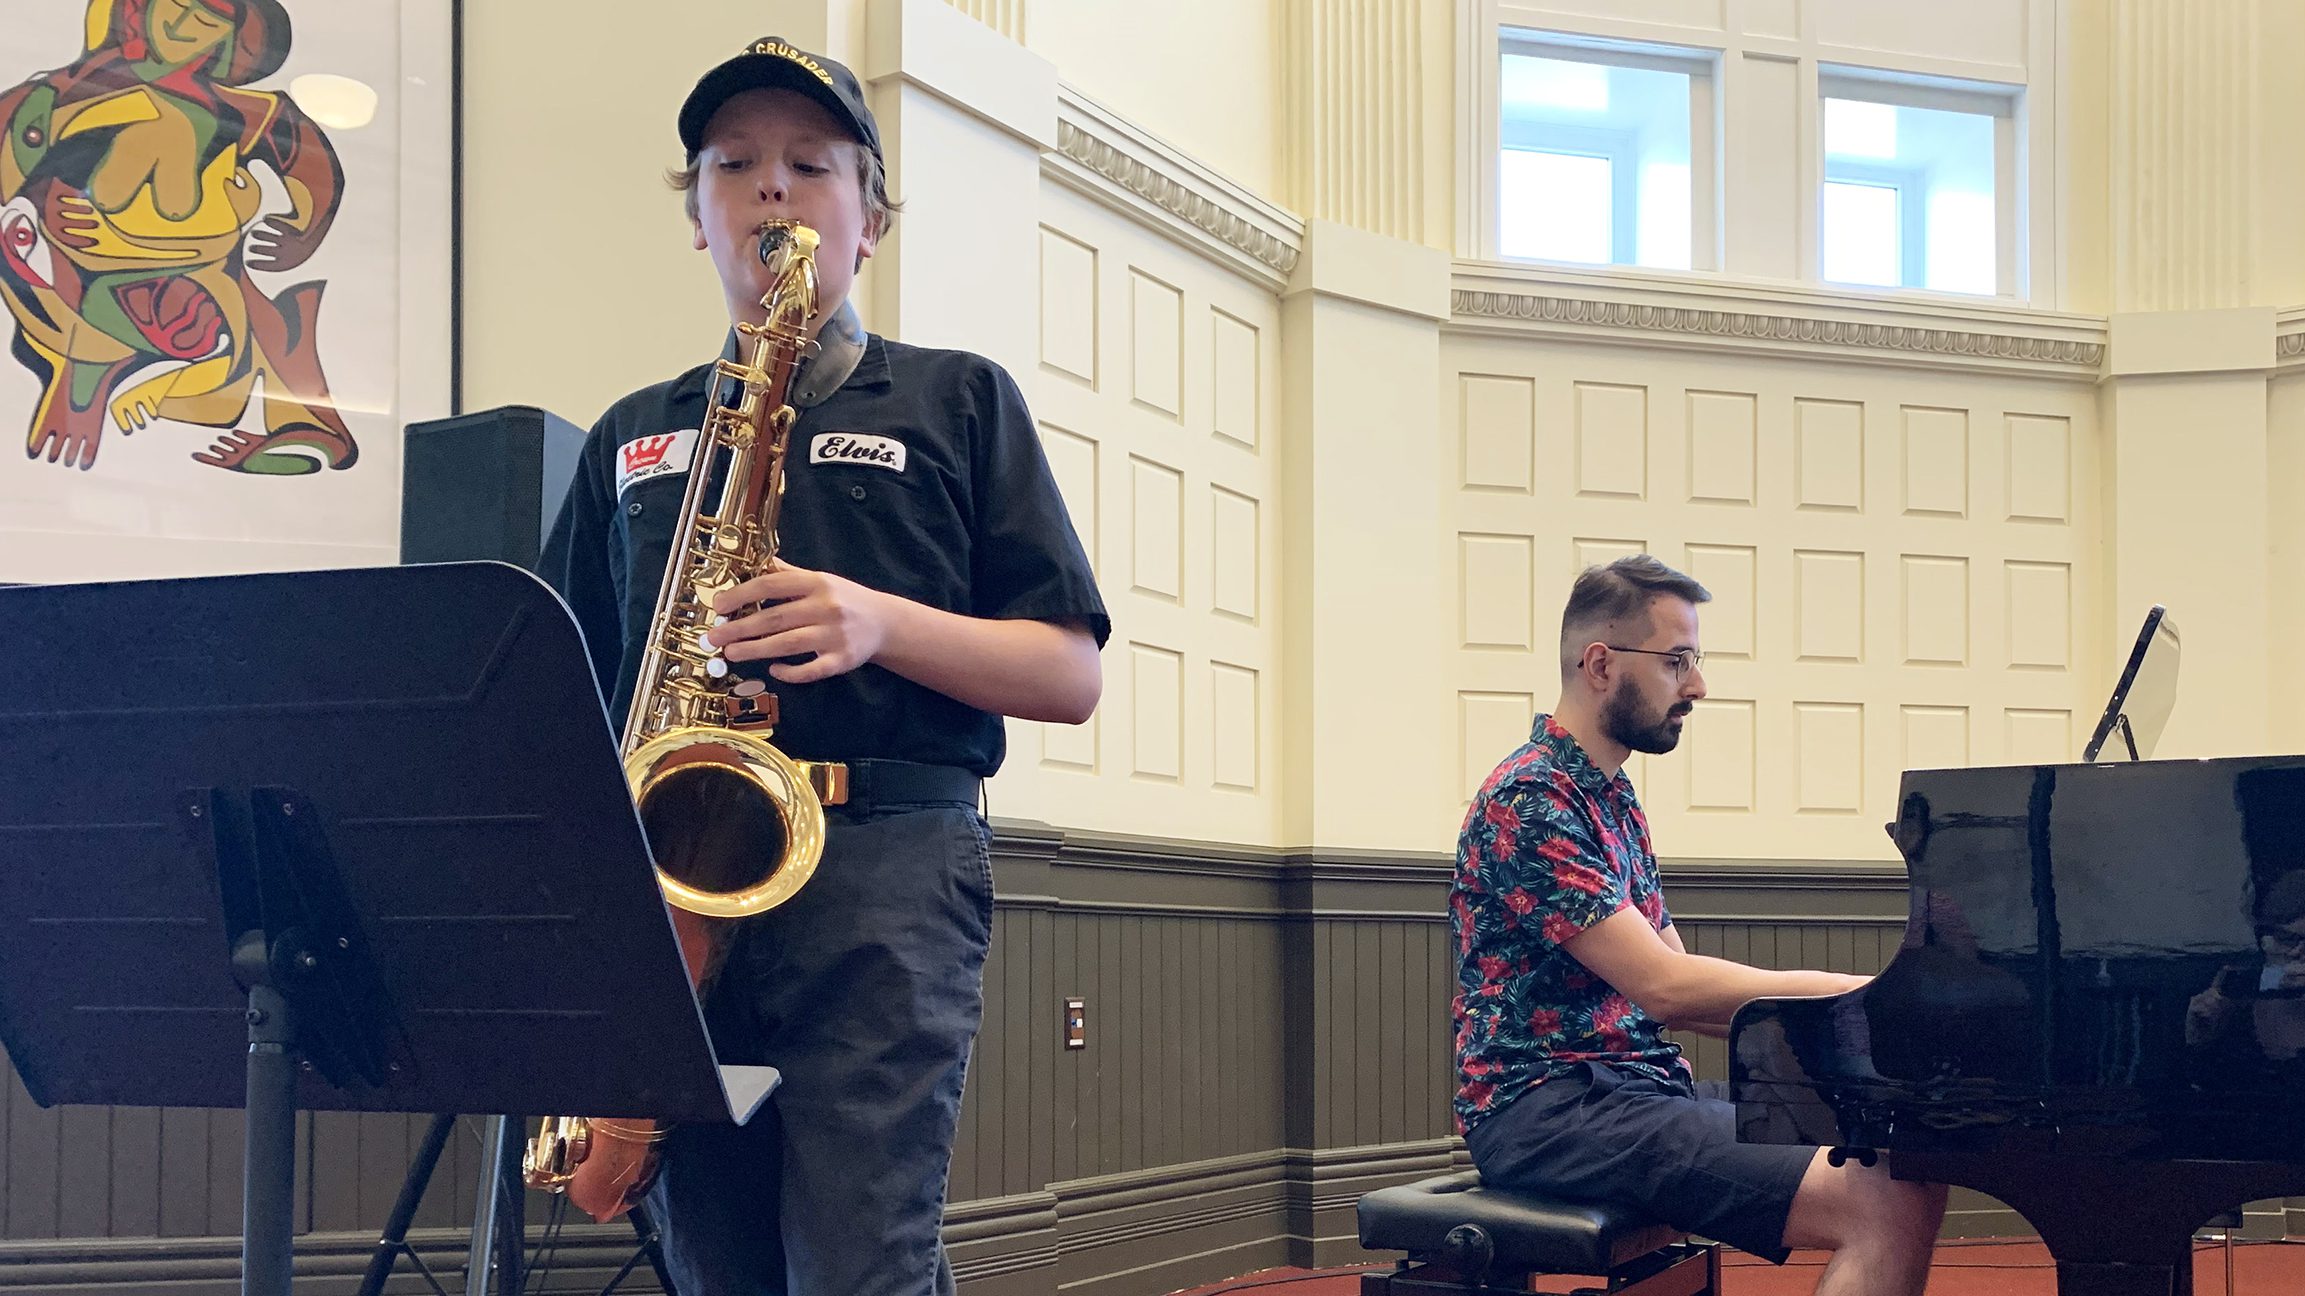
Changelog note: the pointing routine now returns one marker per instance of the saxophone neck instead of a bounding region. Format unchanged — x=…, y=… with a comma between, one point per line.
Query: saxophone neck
x=788, y=249
x=787, y=332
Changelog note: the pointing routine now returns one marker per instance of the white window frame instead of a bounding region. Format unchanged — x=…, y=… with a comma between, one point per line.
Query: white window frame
x=1701, y=66
x=2003, y=104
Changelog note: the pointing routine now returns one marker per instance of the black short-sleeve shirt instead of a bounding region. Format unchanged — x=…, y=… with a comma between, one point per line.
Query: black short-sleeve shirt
x=922, y=475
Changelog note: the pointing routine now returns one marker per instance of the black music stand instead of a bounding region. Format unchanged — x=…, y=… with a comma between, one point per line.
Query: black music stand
x=347, y=840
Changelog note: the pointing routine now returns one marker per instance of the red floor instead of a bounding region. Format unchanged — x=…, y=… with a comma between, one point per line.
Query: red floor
x=1963, y=1269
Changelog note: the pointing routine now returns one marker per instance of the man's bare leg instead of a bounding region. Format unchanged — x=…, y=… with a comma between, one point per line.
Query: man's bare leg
x=1881, y=1231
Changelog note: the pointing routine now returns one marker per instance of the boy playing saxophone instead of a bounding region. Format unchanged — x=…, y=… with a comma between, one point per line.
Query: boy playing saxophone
x=929, y=583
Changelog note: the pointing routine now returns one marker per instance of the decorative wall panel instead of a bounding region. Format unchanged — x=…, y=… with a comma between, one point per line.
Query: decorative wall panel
x=1156, y=394
x=1499, y=583
x=1236, y=363
x=1612, y=441
x=1897, y=559
x=1936, y=610
x=1156, y=343
x=1156, y=512
x=1156, y=676
x=1723, y=436
x=1729, y=574
x=1830, y=450
x=1068, y=306
x=1498, y=432
x=1936, y=462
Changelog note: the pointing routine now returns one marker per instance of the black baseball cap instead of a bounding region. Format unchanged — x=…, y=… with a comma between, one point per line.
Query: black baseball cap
x=771, y=63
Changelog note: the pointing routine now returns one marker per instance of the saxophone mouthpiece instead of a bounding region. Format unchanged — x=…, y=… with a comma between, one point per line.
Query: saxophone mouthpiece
x=776, y=236
x=773, y=235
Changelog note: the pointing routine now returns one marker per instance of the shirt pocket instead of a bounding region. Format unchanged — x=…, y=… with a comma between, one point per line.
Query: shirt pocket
x=647, y=515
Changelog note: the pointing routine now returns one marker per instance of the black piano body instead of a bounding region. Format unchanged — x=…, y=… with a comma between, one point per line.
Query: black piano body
x=2097, y=1014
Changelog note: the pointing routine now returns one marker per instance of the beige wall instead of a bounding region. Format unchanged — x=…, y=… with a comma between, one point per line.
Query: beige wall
x=1200, y=74
x=2174, y=118
x=2080, y=202
x=579, y=282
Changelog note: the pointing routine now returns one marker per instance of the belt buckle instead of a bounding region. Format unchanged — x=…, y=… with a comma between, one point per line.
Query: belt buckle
x=829, y=779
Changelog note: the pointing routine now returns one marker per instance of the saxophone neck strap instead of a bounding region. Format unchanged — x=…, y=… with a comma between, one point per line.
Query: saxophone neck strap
x=839, y=346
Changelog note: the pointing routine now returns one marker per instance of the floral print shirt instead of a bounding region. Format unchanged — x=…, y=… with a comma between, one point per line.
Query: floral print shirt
x=1550, y=847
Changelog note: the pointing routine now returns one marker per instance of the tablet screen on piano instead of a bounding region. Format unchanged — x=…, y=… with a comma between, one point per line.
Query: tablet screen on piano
x=2142, y=697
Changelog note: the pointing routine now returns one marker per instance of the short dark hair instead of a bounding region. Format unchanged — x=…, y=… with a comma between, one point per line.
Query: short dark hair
x=1612, y=592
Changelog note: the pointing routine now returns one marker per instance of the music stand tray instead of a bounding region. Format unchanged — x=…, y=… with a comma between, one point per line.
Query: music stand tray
x=340, y=841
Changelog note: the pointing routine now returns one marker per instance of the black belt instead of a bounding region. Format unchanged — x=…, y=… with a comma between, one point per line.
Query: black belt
x=874, y=783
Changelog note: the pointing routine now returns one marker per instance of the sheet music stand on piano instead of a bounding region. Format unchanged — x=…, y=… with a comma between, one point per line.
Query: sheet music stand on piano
x=351, y=840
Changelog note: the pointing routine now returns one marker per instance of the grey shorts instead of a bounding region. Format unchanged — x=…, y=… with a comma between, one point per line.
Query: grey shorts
x=1600, y=1133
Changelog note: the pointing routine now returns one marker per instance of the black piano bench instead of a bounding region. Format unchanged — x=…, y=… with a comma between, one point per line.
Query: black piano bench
x=1466, y=1240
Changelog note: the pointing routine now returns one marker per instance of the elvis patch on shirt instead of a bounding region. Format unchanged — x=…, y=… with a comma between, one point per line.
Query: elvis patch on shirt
x=857, y=448
x=647, y=458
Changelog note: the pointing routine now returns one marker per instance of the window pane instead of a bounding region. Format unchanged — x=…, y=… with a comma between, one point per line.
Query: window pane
x=1627, y=131
x=1856, y=129
x=1558, y=85
x=1556, y=206
x=1664, y=237
x=1863, y=242
x=1939, y=165
x=1960, y=242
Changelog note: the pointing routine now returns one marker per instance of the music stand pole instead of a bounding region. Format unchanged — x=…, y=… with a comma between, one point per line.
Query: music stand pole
x=268, y=1203
x=495, y=1239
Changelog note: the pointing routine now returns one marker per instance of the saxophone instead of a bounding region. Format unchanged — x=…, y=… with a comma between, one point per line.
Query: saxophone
x=715, y=798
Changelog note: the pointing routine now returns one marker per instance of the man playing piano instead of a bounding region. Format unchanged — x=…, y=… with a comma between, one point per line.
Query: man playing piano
x=1569, y=972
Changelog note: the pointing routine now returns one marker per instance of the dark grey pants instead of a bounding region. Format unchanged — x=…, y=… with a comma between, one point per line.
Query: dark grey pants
x=865, y=990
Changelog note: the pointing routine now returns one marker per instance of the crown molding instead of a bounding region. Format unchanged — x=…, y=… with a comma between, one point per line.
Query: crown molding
x=2289, y=339
x=1104, y=157
x=1731, y=315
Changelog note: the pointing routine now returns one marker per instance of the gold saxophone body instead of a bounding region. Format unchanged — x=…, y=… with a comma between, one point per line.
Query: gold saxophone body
x=714, y=796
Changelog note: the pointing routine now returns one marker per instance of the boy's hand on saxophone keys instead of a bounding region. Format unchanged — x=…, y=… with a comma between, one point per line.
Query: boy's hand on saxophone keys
x=798, y=612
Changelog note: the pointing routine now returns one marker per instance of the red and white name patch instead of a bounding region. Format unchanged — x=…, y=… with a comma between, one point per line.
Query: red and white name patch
x=646, y=458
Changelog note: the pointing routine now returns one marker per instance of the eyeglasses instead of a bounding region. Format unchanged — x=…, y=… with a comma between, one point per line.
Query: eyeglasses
x=1684, y=659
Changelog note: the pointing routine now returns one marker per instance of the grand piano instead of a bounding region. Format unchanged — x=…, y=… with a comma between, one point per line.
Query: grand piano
x=2097, y=1014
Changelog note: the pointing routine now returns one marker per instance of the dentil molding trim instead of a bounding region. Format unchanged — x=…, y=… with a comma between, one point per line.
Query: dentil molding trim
x=2289, y=338
x=1492, y=298
x=1112, y=161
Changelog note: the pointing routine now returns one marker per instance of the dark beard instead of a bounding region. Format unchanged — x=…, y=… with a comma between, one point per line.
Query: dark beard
x=1622, y=722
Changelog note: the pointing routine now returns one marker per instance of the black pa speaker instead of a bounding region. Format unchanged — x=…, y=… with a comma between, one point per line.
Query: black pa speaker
x=484, y=485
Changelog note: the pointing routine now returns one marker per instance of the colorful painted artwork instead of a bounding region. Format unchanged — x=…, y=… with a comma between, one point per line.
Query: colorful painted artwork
x=226, y=248
x=132, y=235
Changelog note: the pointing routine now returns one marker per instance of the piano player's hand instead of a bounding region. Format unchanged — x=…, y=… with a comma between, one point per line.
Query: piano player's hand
x=2205, y=1016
